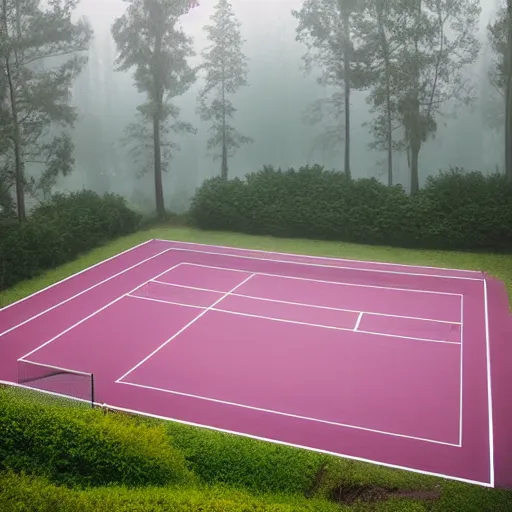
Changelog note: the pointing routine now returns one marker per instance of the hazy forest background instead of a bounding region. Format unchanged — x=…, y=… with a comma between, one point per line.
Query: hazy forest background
x=273, y=110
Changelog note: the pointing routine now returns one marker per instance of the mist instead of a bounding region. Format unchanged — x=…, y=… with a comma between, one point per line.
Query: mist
x=272, y=110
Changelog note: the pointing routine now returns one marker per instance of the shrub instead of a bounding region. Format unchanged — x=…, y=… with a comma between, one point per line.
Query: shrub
x=455, y=210
x=219, y=458
x=83, y=447
x=60, y=229
x=22, y=493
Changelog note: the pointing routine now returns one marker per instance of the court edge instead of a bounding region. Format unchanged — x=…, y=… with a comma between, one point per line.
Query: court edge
x=232, y=432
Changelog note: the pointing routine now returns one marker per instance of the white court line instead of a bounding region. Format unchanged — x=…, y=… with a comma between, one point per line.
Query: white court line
x=358, y=320
x=283, y=320
x=94, y=313
x=258, y=438
x=315, y=306
x=82, y=292
x=330, y=266
x=328, y=258
x=372, y=286
x=77, y=274
x=489, y=390
x=461, y=367
x=289, y=415
x=195, y=319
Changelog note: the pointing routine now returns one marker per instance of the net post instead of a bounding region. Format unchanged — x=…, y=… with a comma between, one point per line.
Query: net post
x=92, y=390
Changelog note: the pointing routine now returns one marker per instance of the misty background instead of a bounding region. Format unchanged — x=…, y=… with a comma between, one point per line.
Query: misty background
x=272, y=110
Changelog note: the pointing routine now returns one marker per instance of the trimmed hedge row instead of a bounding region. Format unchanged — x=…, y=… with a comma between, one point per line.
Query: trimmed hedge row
x=455, y=209
x=80, y=447
x=21, y=493
x=59, y=230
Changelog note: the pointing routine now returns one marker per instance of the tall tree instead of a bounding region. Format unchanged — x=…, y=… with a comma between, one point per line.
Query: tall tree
x=376, y=36
x=226, y=72
x=500, y=75
x=40, y=52
x=326, y=27
x=149, y=40
x=435, y=42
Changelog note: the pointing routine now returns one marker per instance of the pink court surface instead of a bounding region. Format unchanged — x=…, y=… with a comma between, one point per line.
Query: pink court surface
x=401, y=366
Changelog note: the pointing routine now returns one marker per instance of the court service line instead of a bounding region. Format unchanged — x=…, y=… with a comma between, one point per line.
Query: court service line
x=94, y=313
x=297, y=322
x=321, y=265
x=250, y=436
x=195, y=319
x=304, y=304
x=41, y=313
x=289, y=415
x=358, y=320
x=78, y=273
x=489, y=389
x=323, y=281
x=310, y=256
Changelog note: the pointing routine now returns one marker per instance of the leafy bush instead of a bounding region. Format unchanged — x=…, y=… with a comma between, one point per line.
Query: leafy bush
x=455, y=210
x=219, y=458
x=60, y=229
x=83, y=447
x=21, y=493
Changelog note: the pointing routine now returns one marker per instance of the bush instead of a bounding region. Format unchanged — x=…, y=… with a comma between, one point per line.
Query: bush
x=455, y=210
x=83, y=447
x=219, y=458
x=59, y=230
x=21, y=493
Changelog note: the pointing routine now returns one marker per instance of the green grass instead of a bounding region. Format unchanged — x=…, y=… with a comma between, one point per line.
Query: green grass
x=498, y=265
x=242, y=474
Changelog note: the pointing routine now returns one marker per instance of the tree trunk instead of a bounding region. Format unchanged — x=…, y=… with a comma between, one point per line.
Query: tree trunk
x=346, y=67
x=415, y=183
x=159, y=190
x=157, y=116
x=224, y=164
x=387, y=72
x=16, y=133
x=508, y=94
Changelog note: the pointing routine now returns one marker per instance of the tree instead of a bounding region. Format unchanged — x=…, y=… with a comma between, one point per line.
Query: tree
x=500, y=75
x=327, y=29
x=226, y=72
x=149, y=40
x=435, y=42
x=40, y=50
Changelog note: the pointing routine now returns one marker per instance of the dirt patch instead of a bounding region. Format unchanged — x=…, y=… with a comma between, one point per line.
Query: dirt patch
x=350, y=493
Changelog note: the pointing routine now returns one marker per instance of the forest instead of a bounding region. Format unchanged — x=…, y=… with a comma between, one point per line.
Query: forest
x=148, y=99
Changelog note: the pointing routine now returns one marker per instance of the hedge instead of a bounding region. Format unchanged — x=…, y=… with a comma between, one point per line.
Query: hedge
x=219, y=458
x=59, y=230
x=455, y=210
x=22, y=493
x=83, y=447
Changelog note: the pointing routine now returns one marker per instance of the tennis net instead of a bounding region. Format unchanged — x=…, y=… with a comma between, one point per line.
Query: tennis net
x=60, y=381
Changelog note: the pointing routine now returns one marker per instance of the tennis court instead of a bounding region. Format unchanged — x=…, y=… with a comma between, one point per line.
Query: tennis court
x=392, y=364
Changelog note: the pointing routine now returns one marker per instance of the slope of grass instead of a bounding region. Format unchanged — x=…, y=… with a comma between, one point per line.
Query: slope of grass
x=238, y=474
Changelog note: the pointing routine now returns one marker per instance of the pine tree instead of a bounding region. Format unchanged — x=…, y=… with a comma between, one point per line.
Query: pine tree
x=149, y=40
x=40, y=52
x=226, y=72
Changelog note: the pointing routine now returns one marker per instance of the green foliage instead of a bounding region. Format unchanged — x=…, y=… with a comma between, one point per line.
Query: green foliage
x=22, y=493
x=79, y=447
x=455, y=210
x=219, y=458
x=60, y=229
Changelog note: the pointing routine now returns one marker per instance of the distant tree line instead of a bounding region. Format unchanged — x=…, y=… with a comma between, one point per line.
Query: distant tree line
x=411, y=56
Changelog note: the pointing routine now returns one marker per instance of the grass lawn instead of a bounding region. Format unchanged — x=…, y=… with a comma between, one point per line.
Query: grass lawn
x=225, y=460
